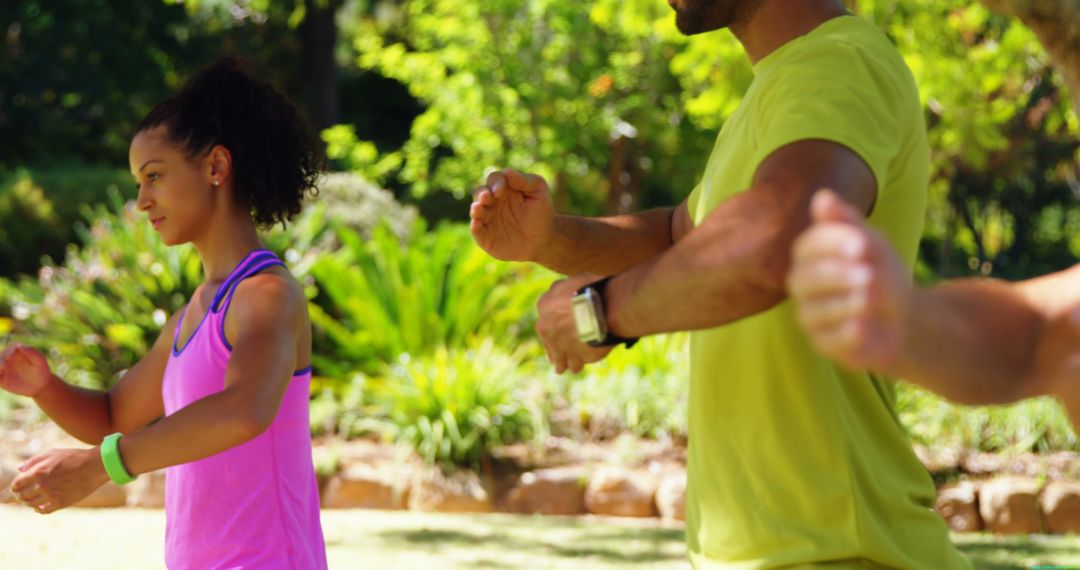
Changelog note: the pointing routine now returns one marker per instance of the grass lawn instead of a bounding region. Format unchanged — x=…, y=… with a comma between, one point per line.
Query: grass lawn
x=129, y=538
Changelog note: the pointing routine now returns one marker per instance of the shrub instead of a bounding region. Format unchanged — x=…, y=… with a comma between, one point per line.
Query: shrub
x=40, y=208
x=1037, y=425
x=454, y=406
x=642, y=390
x=346, y=200
x=378, y=299
x=99, y=312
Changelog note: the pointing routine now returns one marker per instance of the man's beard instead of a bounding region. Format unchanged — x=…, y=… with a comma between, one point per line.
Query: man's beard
x=700, y=16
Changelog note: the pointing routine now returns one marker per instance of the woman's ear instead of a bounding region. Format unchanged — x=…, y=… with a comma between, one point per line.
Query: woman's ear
x=219, y=162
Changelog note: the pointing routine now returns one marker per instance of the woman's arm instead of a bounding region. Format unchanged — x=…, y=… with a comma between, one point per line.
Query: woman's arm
x=90, y=415
x=269, y=312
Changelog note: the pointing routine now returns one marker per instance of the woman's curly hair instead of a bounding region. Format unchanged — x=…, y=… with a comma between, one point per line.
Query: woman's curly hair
x=276, y=160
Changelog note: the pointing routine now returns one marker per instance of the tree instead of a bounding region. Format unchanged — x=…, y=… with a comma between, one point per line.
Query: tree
x=581, y=92
x=608, y=99
x=318, y=68
x=1003, y=137
x=307, y=27
x=71, y=86
x=1057, y=24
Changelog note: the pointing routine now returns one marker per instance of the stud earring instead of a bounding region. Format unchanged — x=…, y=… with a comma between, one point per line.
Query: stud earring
x=216, y=183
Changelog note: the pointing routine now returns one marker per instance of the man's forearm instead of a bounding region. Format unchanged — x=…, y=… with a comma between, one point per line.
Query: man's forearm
x=606, y=246
x=730, y=267
x=973, y=342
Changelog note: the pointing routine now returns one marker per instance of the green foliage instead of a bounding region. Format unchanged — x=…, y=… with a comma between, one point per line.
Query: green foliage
x=359, y=156
x=359, y=205
x=71, y=84
x=40, y=207
x=347, y=201
x=379, y=298
x=8, y=403
x=542, y=85
x=27, y=218
x=347, y=408
x=607, y=98
x=454, y=406
x=642, y=390
x=73, y=87
x=1003, y=136
x=604, y=98
x=1032, y=425
x=97, y=314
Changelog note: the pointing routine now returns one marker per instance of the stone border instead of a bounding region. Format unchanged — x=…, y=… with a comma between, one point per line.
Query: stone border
x=1017, y=495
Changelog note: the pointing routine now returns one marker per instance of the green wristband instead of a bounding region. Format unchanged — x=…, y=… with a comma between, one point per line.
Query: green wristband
x=114, y=465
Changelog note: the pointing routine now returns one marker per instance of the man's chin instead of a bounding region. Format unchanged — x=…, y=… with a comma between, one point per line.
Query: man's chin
x=688, y=26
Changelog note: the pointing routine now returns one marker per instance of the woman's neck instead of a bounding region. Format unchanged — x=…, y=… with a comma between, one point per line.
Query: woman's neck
x=224, y=244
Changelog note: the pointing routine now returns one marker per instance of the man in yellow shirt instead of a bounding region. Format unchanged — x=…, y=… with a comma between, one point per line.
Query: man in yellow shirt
x=793, y=462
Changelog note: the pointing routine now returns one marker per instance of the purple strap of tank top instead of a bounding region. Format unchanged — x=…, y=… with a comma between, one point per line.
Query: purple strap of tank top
x=255, y=256
x=242, y=271
x=252, y=269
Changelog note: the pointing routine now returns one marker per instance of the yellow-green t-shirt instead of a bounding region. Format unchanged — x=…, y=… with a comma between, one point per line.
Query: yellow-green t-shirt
x=794, y=461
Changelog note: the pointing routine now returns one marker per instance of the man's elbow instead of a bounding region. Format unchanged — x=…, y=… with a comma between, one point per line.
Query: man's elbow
x=774, y=275
x=773, y=262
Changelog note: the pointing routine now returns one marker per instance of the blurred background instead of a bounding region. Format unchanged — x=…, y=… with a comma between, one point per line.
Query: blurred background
x=421, y=339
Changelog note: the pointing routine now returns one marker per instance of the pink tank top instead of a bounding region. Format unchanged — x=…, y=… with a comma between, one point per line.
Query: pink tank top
x=255, y=506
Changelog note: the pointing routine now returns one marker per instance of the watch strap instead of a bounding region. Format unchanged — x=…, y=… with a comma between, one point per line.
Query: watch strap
x=609, y=339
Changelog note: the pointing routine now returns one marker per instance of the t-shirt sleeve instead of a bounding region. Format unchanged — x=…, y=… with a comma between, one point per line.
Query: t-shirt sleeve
x=834, y=93
x=692, y=203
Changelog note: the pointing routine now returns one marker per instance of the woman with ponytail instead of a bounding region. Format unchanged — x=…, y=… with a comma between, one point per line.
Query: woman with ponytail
x=221, y=399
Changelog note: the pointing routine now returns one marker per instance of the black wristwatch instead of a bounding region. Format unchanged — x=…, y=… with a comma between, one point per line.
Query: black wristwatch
x=590, y=316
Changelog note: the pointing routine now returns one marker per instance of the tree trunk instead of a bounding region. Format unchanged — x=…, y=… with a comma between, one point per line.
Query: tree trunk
x=616, y=172
x=624, y=177
x=1057, y=25
x=558, y=193
x=318, y=70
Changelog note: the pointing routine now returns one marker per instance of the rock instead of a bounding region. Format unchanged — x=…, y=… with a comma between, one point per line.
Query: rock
x=959, y=506
x=549, y=492
x=1009, y=505
x=1063, y=465
x=460, y=492
x=148, y=491
x=365, y=487
x=671, y=497
x=618, y=492
x=940, y=460
x=978, y=463
x=522, y=456
x=1061, y=505
x=108, y=496
x=356, y=451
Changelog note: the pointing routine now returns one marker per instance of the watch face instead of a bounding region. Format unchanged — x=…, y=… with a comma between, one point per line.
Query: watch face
x=585, y=317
